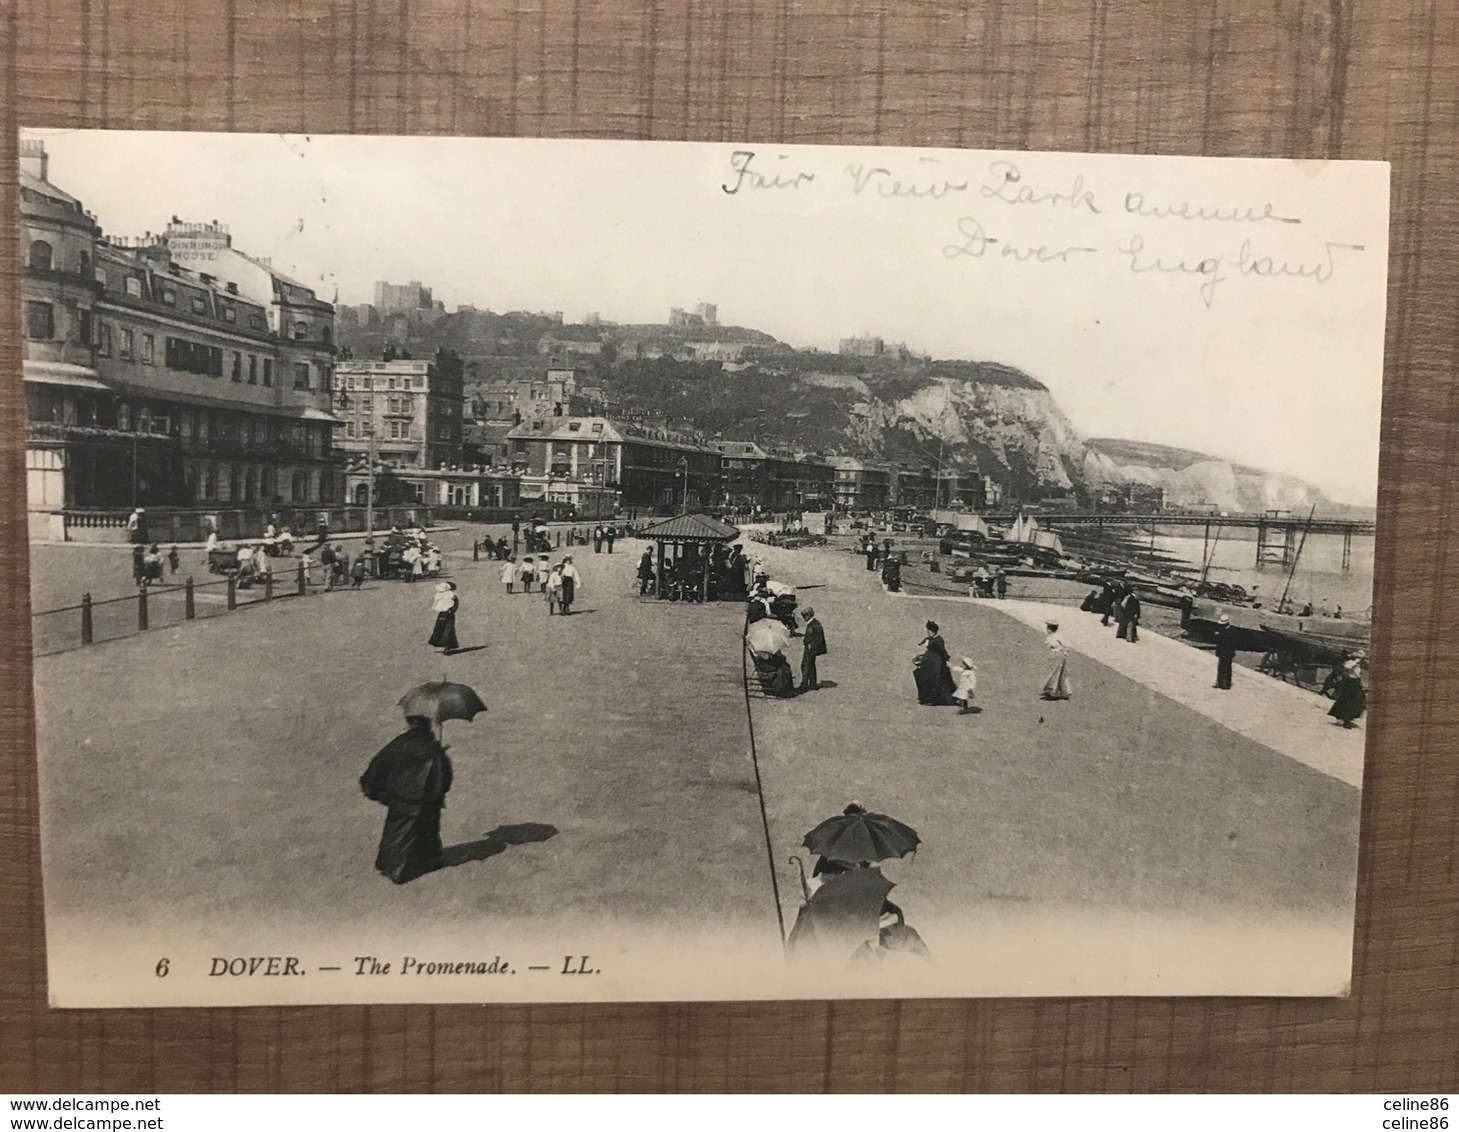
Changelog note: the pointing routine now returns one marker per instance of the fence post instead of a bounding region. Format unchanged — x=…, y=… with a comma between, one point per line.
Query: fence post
x=189, y=610
x=232, y=591
x=268, y=585
x=476, y=550
x=303, y=585
x=86, y=631
x=559, y=538
x=141, y=607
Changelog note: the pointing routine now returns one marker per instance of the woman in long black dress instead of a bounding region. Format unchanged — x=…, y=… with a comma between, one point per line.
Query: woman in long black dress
x=1349, y=700
x=445, y=604
x=411, y=777
x=932, y=672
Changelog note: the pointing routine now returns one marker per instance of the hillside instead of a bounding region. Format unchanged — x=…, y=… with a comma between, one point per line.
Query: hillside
x=977, y=417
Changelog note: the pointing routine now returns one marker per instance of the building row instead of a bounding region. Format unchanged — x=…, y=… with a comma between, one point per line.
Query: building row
x=171, y=370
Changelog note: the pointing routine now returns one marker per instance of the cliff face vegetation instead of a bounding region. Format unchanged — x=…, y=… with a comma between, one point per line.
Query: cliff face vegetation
x=975, y=417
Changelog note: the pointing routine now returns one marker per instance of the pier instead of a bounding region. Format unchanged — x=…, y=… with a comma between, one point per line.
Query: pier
x=1278, y=533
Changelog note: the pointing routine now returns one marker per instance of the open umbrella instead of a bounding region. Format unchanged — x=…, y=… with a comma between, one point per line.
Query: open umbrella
x=440, y=700
x=856, y=835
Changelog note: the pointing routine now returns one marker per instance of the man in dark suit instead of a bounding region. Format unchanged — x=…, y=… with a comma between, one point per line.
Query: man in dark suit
x=812, y=646
x=1225, y=652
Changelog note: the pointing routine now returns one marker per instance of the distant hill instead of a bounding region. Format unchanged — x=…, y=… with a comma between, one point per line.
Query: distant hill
x=1155, y=455
x=975, y=417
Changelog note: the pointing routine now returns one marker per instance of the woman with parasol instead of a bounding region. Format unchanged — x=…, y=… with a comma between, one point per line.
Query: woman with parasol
x=842, y=913
x=410, y=777
x=445, y=603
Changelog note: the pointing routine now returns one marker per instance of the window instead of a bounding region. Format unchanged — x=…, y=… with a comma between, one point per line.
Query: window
x=301, y=375
x=200, y=305
x=40, y=321
x=237, y=366
x=365, y=404
x=255, y=321
x=301, y=331
x=190, y=357
x=325, y=335
x=83, y=263
x=124, y=344
x=124, y=417
x=252, y=369
x=230, y=313
x=83, y=326
x=169, y=296
x=268, y=371
x=365, y=383
x=103, y=339
x=133, y=286
x=210, y=481
x=149, y=347
x=40, y=256
x=349, y=429
x=300, y=487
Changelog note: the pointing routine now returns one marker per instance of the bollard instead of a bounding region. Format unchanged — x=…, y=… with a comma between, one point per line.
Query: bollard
x=232, y=591
x=86, y=631
x=189, y=610
x=476, y=550
x=141, y=607
x=268, y=586
x=559, y=538
x=303, y=582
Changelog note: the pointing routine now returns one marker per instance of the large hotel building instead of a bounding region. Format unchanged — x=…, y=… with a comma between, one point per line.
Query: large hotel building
x=172, y=371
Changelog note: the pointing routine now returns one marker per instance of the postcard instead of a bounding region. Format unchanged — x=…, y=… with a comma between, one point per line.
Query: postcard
x=488, y=570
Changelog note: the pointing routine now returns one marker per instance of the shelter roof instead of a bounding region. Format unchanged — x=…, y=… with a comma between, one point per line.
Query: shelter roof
x=690, y=528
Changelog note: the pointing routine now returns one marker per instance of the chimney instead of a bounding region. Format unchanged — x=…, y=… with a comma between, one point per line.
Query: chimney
x=33, y=158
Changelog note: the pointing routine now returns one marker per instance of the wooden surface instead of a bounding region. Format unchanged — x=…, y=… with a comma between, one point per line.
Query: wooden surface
x=1295, y=78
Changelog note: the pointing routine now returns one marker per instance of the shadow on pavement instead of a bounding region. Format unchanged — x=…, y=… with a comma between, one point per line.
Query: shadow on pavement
x=468, y=648
x=497, y=841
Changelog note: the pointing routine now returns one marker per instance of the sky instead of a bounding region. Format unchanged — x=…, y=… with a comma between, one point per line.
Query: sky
x=1231, y=306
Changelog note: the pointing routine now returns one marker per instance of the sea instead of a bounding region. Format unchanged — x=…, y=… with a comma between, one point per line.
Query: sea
x=1319, y=572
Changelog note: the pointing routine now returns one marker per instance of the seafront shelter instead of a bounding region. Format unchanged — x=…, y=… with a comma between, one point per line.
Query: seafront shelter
x=684, y=553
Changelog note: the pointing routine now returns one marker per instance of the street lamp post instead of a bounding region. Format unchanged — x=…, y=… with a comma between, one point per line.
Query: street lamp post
x=370, y=491
x=684, y=471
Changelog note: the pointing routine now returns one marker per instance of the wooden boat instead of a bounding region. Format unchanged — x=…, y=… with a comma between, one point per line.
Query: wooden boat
x=1328, y=639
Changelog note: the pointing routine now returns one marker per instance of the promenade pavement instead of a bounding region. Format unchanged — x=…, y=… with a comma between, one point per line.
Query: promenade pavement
x=1126, y=800
x=208, y=772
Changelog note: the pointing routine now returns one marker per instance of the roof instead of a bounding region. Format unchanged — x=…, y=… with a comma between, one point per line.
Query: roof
x=561, y=428
x=45, y=188
x=690, y=528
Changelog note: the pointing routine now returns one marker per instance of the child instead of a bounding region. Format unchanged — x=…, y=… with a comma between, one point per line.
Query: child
x=543, y=569
x=966, y=677
x=173, y=559
x=509, y=572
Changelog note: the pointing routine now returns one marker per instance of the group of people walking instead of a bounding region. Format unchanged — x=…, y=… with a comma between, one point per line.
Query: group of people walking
x=559, y=583
x=1117, y=600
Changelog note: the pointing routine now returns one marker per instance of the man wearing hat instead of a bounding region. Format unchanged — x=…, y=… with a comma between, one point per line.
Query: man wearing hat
x=813, y=646
x=1225, y=652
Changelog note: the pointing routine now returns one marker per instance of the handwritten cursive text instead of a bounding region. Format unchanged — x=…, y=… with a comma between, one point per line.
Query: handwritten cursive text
x=747, y=177
x=1136, y=205
x=1006, y=184
x=889, y=185
x=976, y=243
